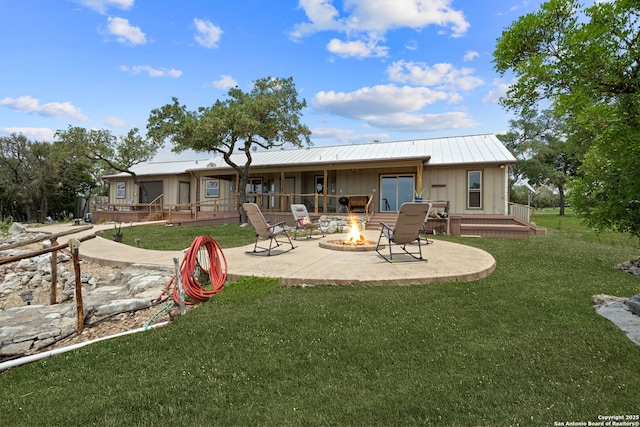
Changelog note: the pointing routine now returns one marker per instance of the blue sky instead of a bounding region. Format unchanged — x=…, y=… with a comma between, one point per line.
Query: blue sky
x=369, y=69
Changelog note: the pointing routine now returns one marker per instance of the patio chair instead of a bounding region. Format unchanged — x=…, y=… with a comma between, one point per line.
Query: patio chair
x=266, y=231
x=303, y=221
x=406, y=231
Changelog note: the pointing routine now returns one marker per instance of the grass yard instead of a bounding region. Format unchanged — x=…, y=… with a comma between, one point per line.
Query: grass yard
x=521, y=347
x=166, y=238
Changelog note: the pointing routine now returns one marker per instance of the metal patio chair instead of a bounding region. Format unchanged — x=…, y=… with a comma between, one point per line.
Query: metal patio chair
x=304, y=222
x=409, y=223
x=266, y=231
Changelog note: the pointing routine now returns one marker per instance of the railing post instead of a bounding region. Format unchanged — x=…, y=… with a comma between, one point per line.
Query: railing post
x=53, y=294
x=74, y=245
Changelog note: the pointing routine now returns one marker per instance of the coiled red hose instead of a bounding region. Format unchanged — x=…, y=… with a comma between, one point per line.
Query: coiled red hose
x=204, y=256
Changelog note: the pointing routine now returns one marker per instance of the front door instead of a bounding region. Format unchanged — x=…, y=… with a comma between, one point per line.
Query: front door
x=395, y=190
x=149, y=191
x=184, y=192
x=254, y=185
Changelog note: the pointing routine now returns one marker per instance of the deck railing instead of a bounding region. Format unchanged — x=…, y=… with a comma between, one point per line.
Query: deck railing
x=268, y=202
x=128, y=212
x=522, y=212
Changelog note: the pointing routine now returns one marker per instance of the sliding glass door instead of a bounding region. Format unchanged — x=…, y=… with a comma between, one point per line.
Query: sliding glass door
x=394, y=191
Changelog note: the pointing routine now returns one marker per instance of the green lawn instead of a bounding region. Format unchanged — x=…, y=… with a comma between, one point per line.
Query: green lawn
x=166, y=238
x=521, y=347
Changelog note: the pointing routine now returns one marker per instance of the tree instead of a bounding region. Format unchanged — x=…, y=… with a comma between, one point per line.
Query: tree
x=268, y=116
x=37, y=181
x=545, y=155
x=13, y=174
x=516, y=141
x=583, y=64
x=112, y=153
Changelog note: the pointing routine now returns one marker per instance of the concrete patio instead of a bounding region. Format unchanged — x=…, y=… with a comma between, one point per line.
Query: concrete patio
x=310, y=264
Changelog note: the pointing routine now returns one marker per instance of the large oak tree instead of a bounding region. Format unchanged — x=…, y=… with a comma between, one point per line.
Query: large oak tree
x=268, y=116
x=584, y=65
x=110, y=152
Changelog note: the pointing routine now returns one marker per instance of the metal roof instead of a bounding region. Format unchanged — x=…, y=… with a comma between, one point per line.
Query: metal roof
x=164, y=168
x=471, y=149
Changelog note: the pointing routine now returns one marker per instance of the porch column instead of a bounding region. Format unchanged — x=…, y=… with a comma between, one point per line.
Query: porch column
x=324, y=191
x=282, y=200
x=419, y=176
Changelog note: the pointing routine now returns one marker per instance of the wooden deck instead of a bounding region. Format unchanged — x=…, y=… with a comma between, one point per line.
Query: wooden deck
x=493, y=226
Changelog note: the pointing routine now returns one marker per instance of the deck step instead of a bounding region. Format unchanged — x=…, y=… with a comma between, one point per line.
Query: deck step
x=514, y=231
x=376, y=219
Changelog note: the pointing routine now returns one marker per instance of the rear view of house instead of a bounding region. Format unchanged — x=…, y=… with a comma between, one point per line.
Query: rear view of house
x=466, y=177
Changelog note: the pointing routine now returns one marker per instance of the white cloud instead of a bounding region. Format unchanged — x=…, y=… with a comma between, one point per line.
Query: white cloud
x=346, y=135
x=403, y=122
x=208, y=34
x=370, y=20
x=115, y=122
x=56, y=110
x=499, y=91
x=518, y=6
x=358, y=49
x=323, y=17
x=411, y=45
x=443, y=76
x=125, y=33
x=225, y=82
x=377, y=100
x=152, y=72
x=395, y=108
x=37, y=134
x=470, y=55
x=101, y=6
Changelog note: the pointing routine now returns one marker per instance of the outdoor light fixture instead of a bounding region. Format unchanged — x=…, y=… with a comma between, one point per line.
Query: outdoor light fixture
x=137, y=242
x=27, y=296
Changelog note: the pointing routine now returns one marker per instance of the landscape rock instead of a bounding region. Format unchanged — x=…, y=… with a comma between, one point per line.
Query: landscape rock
x=618, y=312
x=107, y=291
x=634, y=304
x=17, y=228
x=623, y=312
x=631, y=267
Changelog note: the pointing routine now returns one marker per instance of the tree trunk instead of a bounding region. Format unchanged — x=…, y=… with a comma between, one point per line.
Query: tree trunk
x=44, y=207
x=242, y=197
x=562, y=199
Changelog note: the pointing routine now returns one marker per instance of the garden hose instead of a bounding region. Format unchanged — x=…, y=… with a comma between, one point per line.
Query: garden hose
x=146, y=325
x=203, y=271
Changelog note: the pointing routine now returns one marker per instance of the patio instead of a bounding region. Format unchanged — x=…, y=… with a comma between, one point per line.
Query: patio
x=309, y=264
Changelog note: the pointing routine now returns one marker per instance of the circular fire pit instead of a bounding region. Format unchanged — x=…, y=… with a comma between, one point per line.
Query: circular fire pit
x=345, y=245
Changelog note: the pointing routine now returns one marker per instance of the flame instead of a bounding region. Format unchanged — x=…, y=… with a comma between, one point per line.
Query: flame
x=354, y=237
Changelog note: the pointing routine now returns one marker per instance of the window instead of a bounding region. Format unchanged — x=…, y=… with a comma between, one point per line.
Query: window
x=212, y=188
x=120, y=190
x=474, y=190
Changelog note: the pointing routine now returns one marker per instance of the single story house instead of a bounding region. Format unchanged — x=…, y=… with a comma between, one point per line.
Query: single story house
x=467, y=177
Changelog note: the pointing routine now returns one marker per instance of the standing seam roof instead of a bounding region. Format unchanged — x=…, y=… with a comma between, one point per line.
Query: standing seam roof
x=471, y=149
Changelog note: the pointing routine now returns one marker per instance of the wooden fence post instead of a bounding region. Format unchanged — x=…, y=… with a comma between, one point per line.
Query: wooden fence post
x=179, y=284
x=53, y=294
x=74, y=245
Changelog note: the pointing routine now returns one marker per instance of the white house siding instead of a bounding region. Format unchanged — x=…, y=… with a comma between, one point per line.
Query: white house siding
x=351, y=169
x=207, y=203
x=451, y=184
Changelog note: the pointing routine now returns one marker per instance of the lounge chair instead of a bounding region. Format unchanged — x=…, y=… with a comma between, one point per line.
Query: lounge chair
x=406, y=231
x=266, y=231
x=303, y=221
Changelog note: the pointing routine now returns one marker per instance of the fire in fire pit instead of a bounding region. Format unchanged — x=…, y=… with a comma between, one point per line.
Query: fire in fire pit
x=354, y=241
x=354, y=237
